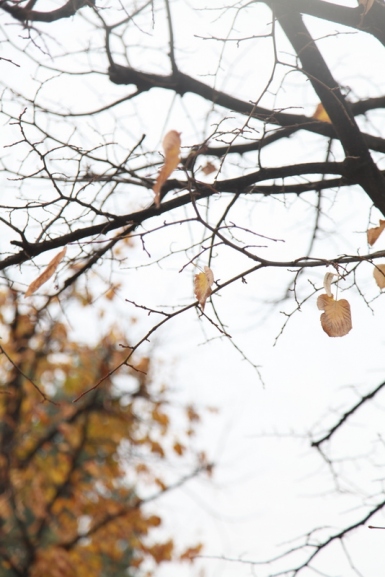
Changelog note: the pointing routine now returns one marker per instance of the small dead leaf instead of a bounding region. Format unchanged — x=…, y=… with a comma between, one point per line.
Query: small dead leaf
x=179, y=448
x=374, y=233
x=171, y=146
x=208, y=168
x=162, y=551
x=46, y=274
x=321, y=114
x=336, y=321
x=328, y=279
x=112, y=291
x=191, y=553
x=367, y=4
x=202, y=286
x=379, y=275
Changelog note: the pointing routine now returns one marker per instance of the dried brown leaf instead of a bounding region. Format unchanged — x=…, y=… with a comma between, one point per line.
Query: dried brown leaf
x=191, y=553
x=374, y=233
x=336, y=321
x=379, y=275
x=202, y=286
x=179, y=448
x=208, y=168
x=46, y=274
x=171, y=146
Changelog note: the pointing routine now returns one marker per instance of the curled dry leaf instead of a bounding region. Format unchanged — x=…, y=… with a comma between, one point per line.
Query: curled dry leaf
x=336, y=321
x=321, y=114
x=379, y=275
x=171, y=146
x=208, y=168
x=202, y=285
x=46, y=274
x=374, y=233
x=328, y=279
x=367, y=4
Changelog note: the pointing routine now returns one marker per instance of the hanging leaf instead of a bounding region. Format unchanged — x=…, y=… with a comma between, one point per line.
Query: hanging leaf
x=321, y=114
x=202, y=285
x=171, y=146
x=367, y=4
x=336, y=321
x=46, y=274
x=379, y=275
x=208, y=168
x=328, y=279
x=374, y=233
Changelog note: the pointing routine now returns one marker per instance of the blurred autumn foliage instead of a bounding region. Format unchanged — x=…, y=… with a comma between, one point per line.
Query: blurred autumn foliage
x=66, y=505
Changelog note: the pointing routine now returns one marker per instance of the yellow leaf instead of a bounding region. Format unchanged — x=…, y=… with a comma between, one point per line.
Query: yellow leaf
x=374, y=233
x=160, y=417
x=202, y=285
x=156, y=447
x=154, y=521
x=162, y=551
x=379, y=275
x=54, y=561
x=321, y=114
x=191, y=553
x=171, y=147
x=111, y=293
x=367, y=4
x=179, y=448
x=46, y=274
x=336, y=321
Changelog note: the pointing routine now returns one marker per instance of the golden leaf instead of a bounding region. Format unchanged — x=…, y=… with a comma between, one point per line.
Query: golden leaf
x=328, y=279
x=374, y=233
x=179, y=448
x=162, y=551
x=171, y=146
x=379, y=275
x=154, y=521
x=156, y=448
x=336, y=321
x=54, y=561
x=191, y=553
x=321, y=114
x=111, y=293
x=367, y=4
x=46, y=274
x=202, y=286
x=161, y=418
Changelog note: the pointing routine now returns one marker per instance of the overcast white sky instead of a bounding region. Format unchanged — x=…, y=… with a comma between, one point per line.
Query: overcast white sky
x=268, y=486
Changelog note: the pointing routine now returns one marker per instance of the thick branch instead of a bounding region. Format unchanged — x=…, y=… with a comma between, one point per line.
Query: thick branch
x=233, y=185
x=347, y=414
x=182, y=83
x=26, y=15
x=373, y=22
x=362, y=169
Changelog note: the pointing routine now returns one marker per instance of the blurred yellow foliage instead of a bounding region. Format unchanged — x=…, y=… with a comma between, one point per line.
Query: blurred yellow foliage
x=73, y=510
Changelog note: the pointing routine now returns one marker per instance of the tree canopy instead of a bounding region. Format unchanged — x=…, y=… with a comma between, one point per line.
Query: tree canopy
x=70, y=472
